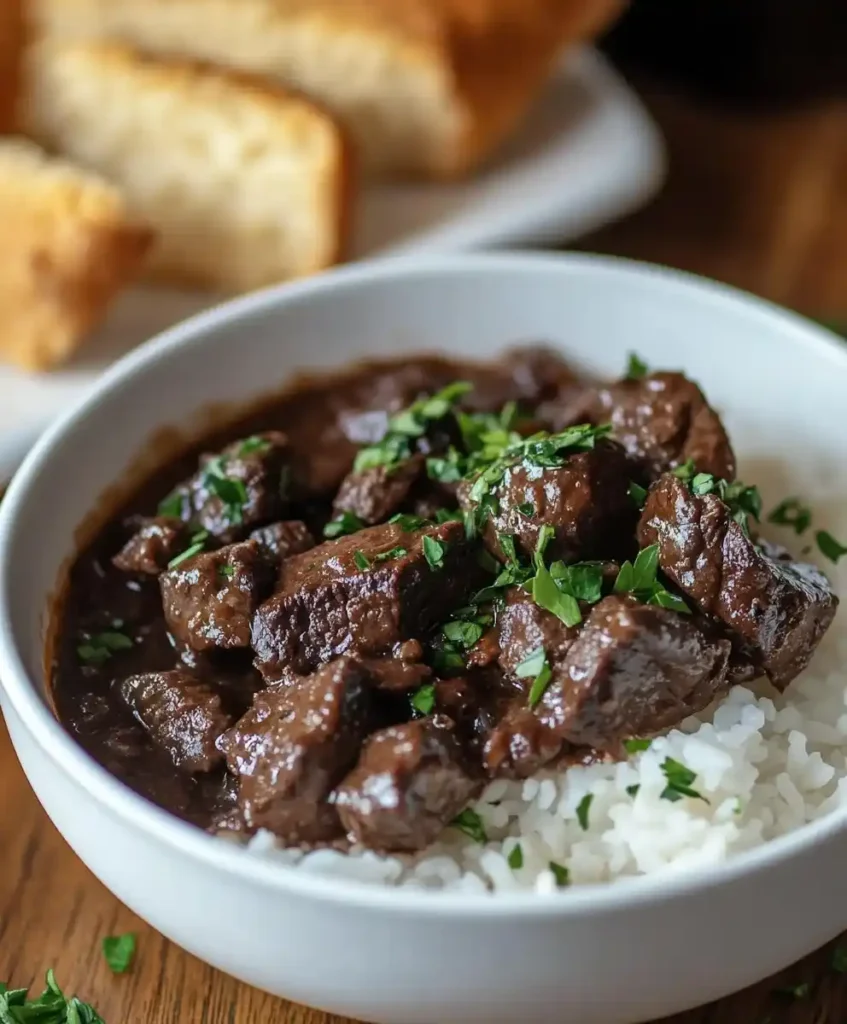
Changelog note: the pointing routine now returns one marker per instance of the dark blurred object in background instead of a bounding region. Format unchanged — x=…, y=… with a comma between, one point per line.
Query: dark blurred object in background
x=759, y=51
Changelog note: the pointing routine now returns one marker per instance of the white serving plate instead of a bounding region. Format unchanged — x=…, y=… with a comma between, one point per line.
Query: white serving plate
x=616, y=954
x=589, y=153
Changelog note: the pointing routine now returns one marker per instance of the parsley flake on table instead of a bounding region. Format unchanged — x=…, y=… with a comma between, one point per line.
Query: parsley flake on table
x=582, y=810
x=471, y=824
x=342, y=525
x=51, y=1007
x=119, y=951
x=679, y=782
x=633, y=790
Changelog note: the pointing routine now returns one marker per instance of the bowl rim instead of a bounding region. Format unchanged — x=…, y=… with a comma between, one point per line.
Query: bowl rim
x=66, y=755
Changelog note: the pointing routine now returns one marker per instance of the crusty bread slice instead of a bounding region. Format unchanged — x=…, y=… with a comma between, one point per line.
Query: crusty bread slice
x=246, y=184
x=425, y=87
x=11, y=46
x=69, y=246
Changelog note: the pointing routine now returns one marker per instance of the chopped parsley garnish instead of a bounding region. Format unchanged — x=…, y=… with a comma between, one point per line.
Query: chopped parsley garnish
x=386, y=556
x=792, y=512
x=838, y=960
x=471, y=824
x=507, y=545
x=639, y=579
x=679, y=782
x=447, y=469
x=515, y=858
x=227, y=571
x=535, y=667
x=51, y=1007
x=171, y=507
x=637, y=493
x=253, y=444
x=408, y=425
x=561, y=874
x=829, y=546
x=636, y=368
x=542, y=450
x=582, y=810
x=119, y=951
x=446, y=515
x=462, y=633
x=232, y=493
x=447, y=660
x=434, y=552
x=97, y=648
x=526, y=508
x=582, y=580
x=635, y=746
x=361, y=560
x=408, y=523
x=547, y=595
x=423, y=699
x=633, y=790
x=743, y=501
x=799, y=991
x=347, y=522
x=198, y=544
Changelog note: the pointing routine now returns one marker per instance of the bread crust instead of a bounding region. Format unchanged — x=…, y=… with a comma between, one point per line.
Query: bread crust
x=486, y=59
x=69, y=248
x=11, y=48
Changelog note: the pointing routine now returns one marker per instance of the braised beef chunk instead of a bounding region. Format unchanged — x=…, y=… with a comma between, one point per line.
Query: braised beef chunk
x=519, y=744
x=395, y=675
x=245, y=485
x=155, y=542
x=586, y=501
x=182, y=715
x=779, y=608
x=294, y=745
x=523, y=628
x=634, y=669
x=209, y=600
x=362, y=690
x=410, y=782
x=362, y=594
x=282, y=540
x=663, y=420
x=377, y=493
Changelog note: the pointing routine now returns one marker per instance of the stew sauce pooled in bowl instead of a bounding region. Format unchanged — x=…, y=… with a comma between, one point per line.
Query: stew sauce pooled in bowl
x=343, y=619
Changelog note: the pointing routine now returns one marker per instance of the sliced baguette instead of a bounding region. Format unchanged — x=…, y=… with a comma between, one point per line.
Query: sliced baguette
x=69, y=246
x=246, y=184
x=425, y=87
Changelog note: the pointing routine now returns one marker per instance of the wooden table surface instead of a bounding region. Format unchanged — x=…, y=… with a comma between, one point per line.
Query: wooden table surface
x=759, y=202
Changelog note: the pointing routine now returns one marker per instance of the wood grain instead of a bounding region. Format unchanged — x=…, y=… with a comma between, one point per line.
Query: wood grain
x=760, y=203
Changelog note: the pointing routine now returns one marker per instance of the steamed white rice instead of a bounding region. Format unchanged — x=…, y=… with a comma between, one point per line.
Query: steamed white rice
x=767, y=763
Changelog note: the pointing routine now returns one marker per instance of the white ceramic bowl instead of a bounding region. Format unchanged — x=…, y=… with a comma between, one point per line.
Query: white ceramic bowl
x=627, y=952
